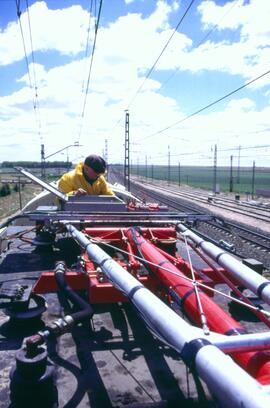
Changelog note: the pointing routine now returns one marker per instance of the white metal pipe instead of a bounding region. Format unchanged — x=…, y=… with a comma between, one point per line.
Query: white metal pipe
x=243, y=343
x=242, y=273
x=237, y=344
x=230, y=385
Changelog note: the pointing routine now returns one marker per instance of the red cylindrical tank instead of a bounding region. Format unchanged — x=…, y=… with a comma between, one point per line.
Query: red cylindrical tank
x=255, y=363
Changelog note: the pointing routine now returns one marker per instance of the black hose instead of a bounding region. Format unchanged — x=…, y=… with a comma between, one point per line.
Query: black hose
x=86, y=311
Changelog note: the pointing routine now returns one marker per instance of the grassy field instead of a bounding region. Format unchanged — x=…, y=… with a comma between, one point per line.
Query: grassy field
x=195, y=176
x=11, y=203
x=203, y=177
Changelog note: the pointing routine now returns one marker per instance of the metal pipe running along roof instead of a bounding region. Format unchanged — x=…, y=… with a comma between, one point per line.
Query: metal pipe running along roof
x=246, y=276
x=231, y=385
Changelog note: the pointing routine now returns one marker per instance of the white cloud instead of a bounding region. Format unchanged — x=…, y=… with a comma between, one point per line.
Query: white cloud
x=251, y=17
x=51, y=30
x=123, y=56
x=243, y=104
x=248, y=55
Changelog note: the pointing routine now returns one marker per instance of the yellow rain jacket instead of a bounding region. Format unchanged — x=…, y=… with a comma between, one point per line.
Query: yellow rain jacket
x=73, y=180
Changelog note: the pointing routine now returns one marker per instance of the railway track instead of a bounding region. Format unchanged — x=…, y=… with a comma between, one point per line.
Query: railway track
x=244, y=241
x=254, y=211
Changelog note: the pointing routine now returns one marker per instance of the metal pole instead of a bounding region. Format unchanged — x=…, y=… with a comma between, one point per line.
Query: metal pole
x=253, y=180
x=20, y=194
x=169, y=166
x=231, y=175
x=215, y=170
x=42, y=152
x=243, y=343
x=179, y=174
x=106, y=151
x=238, y=167
x=67, y=160
x=127, y=154
x=106, y=158
x=146, y=167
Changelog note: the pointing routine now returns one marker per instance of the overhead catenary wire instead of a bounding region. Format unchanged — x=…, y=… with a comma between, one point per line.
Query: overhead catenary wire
x=207, y=106
x=88, y=38
x=156, y=61
x=34, y=71
x=161, y=155
x=160, y=54
x=207, y=35
x=32, y=87
x=90, y=69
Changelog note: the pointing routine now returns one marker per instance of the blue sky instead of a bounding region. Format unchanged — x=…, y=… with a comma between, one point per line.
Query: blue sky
x=219, y=46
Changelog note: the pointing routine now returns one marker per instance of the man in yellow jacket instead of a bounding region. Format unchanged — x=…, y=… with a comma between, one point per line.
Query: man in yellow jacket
x=86, y=178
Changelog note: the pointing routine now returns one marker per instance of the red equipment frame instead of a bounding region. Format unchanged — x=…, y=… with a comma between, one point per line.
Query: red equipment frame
x=157, y=247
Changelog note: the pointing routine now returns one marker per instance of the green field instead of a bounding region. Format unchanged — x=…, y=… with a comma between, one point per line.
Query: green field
x=203, y=177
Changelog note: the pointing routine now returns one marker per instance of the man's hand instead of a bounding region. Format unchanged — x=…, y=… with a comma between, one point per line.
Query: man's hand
x=80, y=192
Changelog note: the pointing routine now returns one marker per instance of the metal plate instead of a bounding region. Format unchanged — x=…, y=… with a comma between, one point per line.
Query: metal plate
x=48, y=187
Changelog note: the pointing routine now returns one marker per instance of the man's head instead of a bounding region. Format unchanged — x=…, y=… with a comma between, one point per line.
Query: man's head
x=94, y=166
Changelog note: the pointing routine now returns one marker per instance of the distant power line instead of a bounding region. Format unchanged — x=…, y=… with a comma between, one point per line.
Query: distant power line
x=160, y=156
x=90, y=68
x=201, y=42
x=156, y=61
x=34, y=70
x=207, y=106
x=162, y=51
x=32, y=84
x=244, y=148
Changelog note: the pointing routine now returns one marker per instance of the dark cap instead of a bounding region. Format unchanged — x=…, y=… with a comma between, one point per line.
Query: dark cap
x=96, y=163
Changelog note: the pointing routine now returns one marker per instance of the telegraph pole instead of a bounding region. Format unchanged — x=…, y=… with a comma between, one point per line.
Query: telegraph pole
x=231, y=175
x=42, y=152
x=253, y=180
x=106, y=155
x=169, y=166
x=106, y=151
x=215, y=170
x=238, y=167
x=127, y=163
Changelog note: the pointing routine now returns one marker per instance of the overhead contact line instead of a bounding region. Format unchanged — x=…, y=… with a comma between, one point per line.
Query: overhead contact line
x=90, y=68
x=36, y=106
x=34, y=101
x=158, y=58
x=207, y=106
x=201, y=42
x=162, y=51
x=88, y=38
